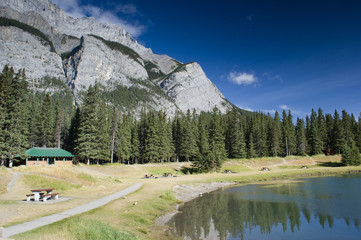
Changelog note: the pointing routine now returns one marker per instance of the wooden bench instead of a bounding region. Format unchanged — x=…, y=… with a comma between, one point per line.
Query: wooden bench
x=50, y=195
x=31, y=195
x=28, y=197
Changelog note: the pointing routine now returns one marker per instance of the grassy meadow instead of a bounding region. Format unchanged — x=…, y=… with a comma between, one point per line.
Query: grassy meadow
x=121, y=219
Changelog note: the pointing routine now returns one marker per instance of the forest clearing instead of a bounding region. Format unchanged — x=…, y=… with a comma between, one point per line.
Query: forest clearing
x=81, y=184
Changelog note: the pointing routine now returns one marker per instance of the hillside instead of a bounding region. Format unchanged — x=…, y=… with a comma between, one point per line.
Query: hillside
x=40, y=37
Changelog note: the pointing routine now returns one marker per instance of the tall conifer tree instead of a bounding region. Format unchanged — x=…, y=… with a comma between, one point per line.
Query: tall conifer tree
x=300, y=138
x=87, y=142
x=338, y=136
x=314, y=138
x=124, y=136
x=216, y=141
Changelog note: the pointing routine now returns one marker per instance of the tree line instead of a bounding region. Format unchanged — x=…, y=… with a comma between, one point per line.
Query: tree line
x=99, y=132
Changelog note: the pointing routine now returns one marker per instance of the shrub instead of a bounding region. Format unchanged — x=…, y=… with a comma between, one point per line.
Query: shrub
x=351, y=155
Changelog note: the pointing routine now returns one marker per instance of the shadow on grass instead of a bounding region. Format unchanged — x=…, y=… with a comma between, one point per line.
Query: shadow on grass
x=188, y=170
x=331, y=164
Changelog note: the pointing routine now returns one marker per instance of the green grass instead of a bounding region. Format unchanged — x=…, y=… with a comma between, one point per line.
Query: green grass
x=88, y=229
x=87, y=177
x=159, y=171
x=168, y=196
x=78, y=228
x=36, y=181
x=133, y=223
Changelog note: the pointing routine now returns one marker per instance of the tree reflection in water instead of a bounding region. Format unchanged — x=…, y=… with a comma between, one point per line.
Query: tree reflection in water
x=240, y=211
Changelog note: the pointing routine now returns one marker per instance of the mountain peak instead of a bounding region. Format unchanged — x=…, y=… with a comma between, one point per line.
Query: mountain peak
x=81, y=51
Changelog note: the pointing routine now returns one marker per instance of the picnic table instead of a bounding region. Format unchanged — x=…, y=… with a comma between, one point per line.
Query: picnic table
x=38, y=192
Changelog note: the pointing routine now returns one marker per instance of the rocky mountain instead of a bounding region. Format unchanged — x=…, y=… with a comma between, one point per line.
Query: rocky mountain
x=40, y=37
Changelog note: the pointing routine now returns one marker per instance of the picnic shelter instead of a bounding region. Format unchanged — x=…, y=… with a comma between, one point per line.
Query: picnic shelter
x=47, y=156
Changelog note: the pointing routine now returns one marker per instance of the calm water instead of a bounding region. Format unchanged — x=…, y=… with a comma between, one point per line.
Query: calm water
x=315, y=208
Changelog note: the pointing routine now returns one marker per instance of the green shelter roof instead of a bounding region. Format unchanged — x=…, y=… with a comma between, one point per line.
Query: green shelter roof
x=48, y=152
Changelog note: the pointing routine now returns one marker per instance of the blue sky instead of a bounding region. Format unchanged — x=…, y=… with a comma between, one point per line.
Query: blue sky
x=262, y=55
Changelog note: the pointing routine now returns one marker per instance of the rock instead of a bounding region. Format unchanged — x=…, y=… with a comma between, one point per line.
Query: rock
x=74, y=26
x=191, y=89
x=82, y=56
x=95, y=62
x=23, y=50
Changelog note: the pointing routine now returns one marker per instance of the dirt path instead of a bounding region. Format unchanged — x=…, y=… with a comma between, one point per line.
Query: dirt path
x=27, y=226
x=12, y=181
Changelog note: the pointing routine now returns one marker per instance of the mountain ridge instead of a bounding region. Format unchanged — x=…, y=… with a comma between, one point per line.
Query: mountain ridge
x=103, y=53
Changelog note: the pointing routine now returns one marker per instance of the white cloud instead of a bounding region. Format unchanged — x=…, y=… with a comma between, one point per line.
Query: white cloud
x=245, y=108
x=285, y=107
x=242, y=78
x=74, y=9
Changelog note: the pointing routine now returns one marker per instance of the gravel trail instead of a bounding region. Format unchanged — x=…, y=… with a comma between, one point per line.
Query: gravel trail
x=27, y=226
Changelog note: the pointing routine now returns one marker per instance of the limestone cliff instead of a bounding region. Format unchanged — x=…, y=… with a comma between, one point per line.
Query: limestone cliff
x=83, y=51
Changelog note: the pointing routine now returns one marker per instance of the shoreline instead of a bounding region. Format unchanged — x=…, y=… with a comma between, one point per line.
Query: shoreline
x=188, y=192
x=144, y=214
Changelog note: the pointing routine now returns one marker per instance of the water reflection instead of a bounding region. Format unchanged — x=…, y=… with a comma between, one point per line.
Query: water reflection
x=317, y=208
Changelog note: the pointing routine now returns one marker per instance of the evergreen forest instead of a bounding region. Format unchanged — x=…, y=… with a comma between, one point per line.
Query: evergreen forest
x=98, y=132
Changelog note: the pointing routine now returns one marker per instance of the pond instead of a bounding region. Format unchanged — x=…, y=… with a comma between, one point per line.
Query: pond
x=314, y=208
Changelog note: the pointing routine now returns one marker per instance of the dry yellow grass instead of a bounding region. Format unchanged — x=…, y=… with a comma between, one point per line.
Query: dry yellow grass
x=5, y=177
x=84, y=188
x=71, y=174
x=121, y=213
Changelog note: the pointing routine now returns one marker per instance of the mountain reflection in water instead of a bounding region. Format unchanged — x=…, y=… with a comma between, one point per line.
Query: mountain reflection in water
x=315, y=208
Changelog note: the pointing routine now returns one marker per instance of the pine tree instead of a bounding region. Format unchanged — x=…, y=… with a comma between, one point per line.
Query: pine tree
x=176, y=135
x=235, y=144
x=87, y=146
x=46, y=123
x=314, y=139
x=346, y=125
x=216, y=141
x=33, y=121
x=355, y=153
x=300, y=137
x=203, y=161
x=151, y=151
x=329, y=131
x=358, y=134
x=113, y=133
x=274, y=136
x=338, y=136
x=135, y=153
x=15, y=112
x=288, y=141
x=5, y=92
x=73, y=131
x=123, y=146
x=251, y=153
x=322, y=129
x=59, y=125
x=259, y=134
x=103, y=130
x=292, y=134
x=166, y=148
x=351, y=155
x=142, y=135
x=188, y=138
